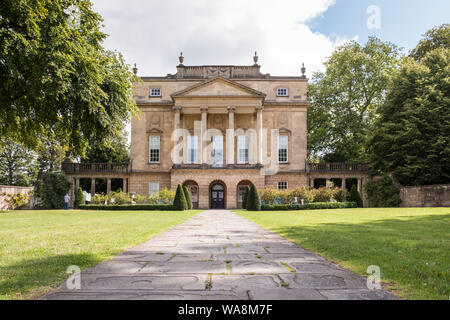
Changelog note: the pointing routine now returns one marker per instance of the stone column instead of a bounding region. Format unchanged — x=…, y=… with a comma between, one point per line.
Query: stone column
x=77, y=184
x=230, y=135
x=92, y=187
x=343, y=183
x=359, y=185
x=202, y=142
x=259, y=125
x=108, y=186
x=124, y=185
x=177, y=117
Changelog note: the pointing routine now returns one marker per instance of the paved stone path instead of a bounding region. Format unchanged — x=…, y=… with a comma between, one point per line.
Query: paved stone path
x=221, y=256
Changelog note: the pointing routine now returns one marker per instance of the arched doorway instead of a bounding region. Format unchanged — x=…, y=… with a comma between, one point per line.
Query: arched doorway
x=241, y=187
x=192, y=186
x=217, y=195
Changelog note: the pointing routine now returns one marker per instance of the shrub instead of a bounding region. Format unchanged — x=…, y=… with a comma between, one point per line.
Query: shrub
x=254, y=202
x=139, y=199
x=323, y=194
x=304, y=193
x=16, y=201
x=383, y=193
x=187, y=194
x=244, y=200
x=285, y=197
x=118, y=197
x=79, y=199
x=179, y=202
x=51, y=189
x=268, y=195
x=99, y=199
x=129, y=207
x=355, y=196
x=340, y=194
x=165, y=196
x=310, y=206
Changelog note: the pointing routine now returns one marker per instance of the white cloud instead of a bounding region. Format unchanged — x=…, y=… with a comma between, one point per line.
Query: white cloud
x=152, y=33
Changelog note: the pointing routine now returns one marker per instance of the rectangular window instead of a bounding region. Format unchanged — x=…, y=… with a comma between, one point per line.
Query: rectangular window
x=155, y=92
x=192, y=150
x=282, y=92
x=217, y=151
x=153, y=187
x=243, y=145
x=283, y=142
x=154, y=146
x=282, y=185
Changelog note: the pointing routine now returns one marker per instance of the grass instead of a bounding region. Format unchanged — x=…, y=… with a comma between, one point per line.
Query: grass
x=410, y=245
x=37, y=247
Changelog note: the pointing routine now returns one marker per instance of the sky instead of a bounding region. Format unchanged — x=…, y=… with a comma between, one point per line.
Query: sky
x=286, y=33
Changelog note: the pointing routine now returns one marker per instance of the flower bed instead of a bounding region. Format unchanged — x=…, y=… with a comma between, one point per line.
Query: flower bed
x=309, y=206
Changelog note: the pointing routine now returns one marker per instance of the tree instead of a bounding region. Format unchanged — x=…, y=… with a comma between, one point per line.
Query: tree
x=79, y=199
x=54, y=73
x=253, y=202
x=344, y=99
x=355, y=196
x=382, y=193
x=244, y=200
x=50, y=189
x=180, y=200
x=187, y=195
x=17, y=164
x=438, y=37
x=113, y=149
x=412, y=135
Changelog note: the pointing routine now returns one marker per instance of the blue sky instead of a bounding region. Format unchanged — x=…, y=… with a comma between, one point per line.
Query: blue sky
x=402, y=21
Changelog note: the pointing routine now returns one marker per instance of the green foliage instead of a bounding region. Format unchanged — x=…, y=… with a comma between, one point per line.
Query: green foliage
x=179, y=202
x=304, y=193
x=438, y=37
x=355, y=196
x=187, y=195
x=345, y=98
x=309, y=206
x=99, y=199
x=323, y=194
x=79, y=199
x=51, y=189
x=382, y=193
x=16, y=201
x=113, y=149
x=244, y=200
x=269, y=195
x=56, y=76
x=17, y=164
x=340, y=195
x=254, y=202
x=412, y=134
x=129, y=207
x=118, y=197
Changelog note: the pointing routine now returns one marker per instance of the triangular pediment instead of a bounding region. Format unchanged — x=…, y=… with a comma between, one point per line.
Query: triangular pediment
x=218, y=87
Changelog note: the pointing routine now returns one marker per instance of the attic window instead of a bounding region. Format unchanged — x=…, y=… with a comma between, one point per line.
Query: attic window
x=282, y=92
x=155, y=92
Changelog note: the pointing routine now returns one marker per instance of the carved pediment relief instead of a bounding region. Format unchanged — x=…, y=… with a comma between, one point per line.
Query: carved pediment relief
x=218, y=87
x=155, y=131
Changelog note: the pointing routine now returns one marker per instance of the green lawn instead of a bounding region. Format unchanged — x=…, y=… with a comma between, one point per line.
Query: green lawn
x=411, y=246
x=36, y=247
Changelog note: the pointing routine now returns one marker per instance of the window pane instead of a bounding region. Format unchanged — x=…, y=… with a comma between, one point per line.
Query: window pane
x=282, y=185
x=243, y=145
x=283, y=149
x=153, y=187
x=155, y=145
x=192, y=149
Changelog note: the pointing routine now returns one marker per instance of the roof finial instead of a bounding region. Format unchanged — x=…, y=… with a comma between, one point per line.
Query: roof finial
x=181, y=58
x=135, y=70
x=303, y=71
x=255, y=58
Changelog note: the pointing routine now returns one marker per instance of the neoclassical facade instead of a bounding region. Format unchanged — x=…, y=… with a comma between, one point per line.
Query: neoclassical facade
x=217, y=130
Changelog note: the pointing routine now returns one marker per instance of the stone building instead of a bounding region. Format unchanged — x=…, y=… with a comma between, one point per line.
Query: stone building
x=217, y=130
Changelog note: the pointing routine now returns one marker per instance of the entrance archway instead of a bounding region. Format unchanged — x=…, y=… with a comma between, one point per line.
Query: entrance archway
x=217, y=195
x=241, y=188
x=192, y=186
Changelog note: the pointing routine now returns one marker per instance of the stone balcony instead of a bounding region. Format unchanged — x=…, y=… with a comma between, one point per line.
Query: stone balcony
x=338, y=167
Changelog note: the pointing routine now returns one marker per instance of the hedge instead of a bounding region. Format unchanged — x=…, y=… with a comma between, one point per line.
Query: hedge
x=130, y=207
x=309, y=206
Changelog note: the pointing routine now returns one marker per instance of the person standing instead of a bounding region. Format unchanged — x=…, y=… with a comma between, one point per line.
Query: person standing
x=66, y=201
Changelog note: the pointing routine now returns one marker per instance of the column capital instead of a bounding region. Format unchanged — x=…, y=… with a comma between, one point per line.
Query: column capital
x=259, y=108
x=177, y=108
x=231, y=109
x=204, y=109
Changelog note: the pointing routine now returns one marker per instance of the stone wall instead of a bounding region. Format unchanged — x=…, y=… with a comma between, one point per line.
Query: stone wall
x=425, y=196
x=4, y=190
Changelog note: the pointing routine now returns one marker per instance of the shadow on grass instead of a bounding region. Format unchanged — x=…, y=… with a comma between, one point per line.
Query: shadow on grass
x=31, y=278
x=411, y=251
